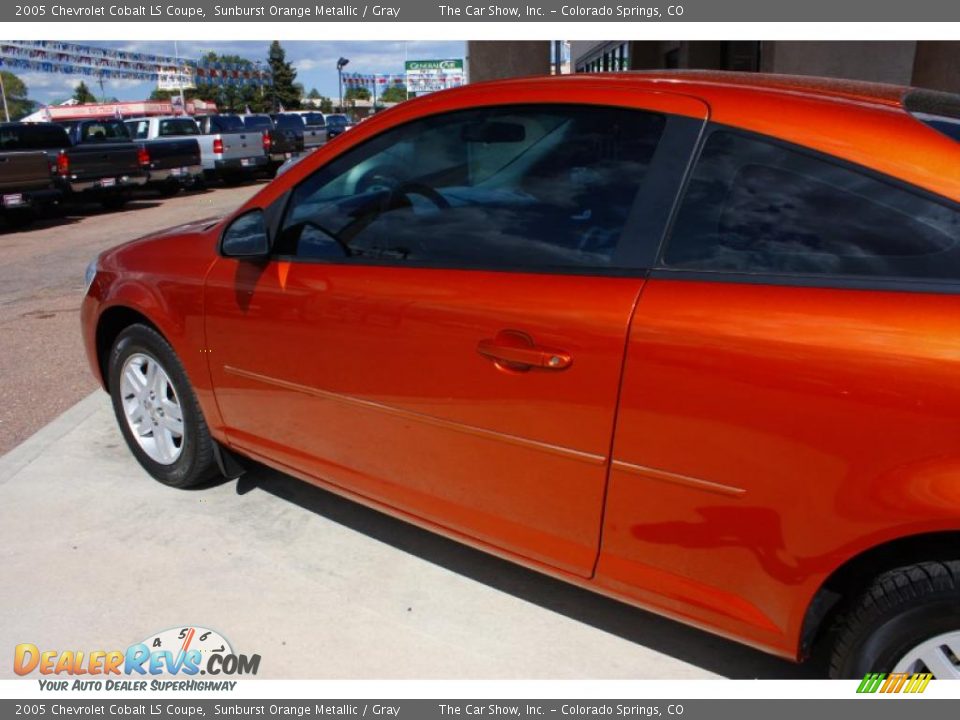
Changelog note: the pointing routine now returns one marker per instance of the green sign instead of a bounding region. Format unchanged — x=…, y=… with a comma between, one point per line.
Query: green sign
x=421, y=65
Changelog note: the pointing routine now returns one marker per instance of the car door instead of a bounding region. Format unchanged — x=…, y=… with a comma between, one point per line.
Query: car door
x=442, y=323
x=790, y=387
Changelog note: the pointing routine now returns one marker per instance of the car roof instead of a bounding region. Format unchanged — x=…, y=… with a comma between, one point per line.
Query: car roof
x=834, y=88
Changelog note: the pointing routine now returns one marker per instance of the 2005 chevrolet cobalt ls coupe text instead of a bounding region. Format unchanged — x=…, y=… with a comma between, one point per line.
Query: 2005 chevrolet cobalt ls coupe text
x=689, y=340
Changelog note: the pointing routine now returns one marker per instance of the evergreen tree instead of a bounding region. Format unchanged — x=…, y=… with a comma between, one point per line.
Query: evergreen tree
x=283, y=91
x=82, y=94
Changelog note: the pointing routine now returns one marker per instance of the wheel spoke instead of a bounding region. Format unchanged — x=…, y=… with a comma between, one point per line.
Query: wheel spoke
x=172, y=410
x=151, y=376
x=938, y=663
x=135, y=379
x=162, y=438
x=938, y=655
x=172, y=425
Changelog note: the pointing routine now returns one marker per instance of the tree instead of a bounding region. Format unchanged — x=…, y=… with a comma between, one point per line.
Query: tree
x=82, y=94
x=314, y=94
x=394, y=94
x=283, y=91
x=231, y=98
x=326, y=105
x=16, y=93
x=356, y=93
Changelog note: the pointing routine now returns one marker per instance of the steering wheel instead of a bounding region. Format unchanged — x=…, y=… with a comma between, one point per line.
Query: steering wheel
x=400, y=195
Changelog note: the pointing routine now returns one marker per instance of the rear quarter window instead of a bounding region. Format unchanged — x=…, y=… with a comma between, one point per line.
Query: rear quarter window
x=759, y=206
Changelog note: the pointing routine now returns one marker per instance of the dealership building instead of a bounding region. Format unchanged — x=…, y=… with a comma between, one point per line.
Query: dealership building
x=929, y=64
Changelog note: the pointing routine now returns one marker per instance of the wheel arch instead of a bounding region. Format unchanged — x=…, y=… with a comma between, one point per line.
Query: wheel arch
x=845, y=583
x=113, y=321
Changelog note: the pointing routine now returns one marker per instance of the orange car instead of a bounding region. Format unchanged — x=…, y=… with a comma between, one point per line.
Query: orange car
x=689, y=340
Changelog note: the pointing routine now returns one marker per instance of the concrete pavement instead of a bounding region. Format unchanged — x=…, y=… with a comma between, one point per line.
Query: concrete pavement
x=97, y=555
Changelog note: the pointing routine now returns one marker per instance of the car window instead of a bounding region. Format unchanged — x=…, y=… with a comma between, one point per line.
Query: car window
x=336, y=120
x=523, y=187
x=138, y=129
x=760, y=206
x=226, y=123
x=257, y=122
x=178, y=126
x=314, y=120
x=33, y=137
x=289, y=122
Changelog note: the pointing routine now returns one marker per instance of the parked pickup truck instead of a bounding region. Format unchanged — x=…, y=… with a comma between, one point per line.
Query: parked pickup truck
x=314, y=129
x=27, y=183
x=337, y=124
x=281, y=142
x=169, y=152
x=102, y=162
x=227, y=148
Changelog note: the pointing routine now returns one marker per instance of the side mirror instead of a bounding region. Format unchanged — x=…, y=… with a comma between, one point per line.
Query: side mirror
x=247, y=237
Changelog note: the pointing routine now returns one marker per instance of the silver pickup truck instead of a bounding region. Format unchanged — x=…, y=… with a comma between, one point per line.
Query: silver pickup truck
x=228, y=149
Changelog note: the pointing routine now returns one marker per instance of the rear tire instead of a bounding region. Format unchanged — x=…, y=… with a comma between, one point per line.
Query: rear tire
x=908, y=620
x=149, y=389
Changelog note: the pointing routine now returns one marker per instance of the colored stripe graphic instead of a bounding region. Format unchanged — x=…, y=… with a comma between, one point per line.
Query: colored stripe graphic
x=894, y=682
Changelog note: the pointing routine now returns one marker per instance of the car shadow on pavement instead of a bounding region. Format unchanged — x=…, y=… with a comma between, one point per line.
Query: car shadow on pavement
x=82, y=210
x=712, y=653
x=41, y=222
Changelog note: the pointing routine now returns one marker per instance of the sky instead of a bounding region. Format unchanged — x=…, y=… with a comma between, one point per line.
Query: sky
x=315, y=63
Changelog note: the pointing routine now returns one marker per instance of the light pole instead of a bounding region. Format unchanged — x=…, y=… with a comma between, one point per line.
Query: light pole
x=3, y=94
x=341, y=63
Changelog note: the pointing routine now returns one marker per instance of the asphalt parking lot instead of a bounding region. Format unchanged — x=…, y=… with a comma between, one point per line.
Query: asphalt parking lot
x=96, y=555
x=41, y=282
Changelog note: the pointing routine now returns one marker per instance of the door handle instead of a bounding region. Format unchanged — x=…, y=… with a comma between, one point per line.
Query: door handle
x=515, y=350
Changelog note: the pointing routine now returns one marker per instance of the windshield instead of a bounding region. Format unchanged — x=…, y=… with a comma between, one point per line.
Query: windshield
x=336, y=119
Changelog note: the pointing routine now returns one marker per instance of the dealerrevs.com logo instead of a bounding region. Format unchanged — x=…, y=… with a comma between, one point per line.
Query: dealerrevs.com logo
x=186, y=652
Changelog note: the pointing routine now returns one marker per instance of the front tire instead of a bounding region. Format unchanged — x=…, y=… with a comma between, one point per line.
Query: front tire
x=908, y=621
x=157, y=410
